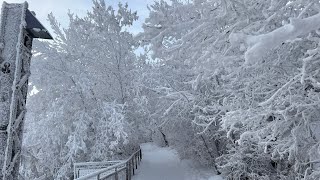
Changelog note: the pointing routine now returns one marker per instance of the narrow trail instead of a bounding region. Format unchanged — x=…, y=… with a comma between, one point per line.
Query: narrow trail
x=164, y=164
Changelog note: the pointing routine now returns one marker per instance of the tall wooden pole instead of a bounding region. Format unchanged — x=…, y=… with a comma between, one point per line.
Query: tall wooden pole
x=13, y=87
x=16, y=35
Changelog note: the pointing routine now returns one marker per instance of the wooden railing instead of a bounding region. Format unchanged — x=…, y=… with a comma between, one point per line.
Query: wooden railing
x=85, y=168
x=125, y=167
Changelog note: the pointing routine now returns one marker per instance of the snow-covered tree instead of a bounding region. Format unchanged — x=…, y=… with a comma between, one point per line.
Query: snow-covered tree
x=84, y=78
x=185, y=80
x=249, y=73
x=238, y=80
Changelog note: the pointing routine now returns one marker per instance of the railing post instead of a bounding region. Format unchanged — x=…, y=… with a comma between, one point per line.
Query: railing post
x=136, y=158
x=127, y=170
x=116, y=174
x=130, y=171
x=132, y=165
x=140, y=154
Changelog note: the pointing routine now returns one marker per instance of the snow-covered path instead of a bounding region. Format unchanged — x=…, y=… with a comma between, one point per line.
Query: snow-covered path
x=164, y=164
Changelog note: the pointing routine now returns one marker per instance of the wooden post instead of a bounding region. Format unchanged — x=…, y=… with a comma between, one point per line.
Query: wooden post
x=132, y=165
x=127, y=171
x=140, y=154
x=136, y=157
x=130, y=170
x=116, y=174
x=17, y=31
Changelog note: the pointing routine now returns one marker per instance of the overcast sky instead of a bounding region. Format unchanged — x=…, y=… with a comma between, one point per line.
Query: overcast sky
x=60, y=8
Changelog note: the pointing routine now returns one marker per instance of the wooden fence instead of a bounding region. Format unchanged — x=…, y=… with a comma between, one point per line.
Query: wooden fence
x=113, y=169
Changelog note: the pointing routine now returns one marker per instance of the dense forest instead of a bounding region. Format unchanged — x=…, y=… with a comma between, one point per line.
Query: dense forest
x=231, y=84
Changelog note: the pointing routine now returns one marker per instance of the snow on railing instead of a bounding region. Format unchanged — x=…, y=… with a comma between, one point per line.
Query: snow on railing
x=105, y=170
x=85, y=168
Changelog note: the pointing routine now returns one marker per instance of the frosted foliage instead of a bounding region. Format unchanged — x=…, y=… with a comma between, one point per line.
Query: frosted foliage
x=84, y=80
x=111, y=132
x=246, y=74
x=233, y=85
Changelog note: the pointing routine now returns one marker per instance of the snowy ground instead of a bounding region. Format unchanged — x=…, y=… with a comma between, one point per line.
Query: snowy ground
x=164, y=164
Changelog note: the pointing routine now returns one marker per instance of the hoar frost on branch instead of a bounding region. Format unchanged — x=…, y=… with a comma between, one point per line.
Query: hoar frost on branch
x=238, y=80
x=251, y=73
x=84, y=78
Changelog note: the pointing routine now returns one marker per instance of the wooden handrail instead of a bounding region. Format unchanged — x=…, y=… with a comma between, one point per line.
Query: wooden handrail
x=97, y=163
x=128, y=165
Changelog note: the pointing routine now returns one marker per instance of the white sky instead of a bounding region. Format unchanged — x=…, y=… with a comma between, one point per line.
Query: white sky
x=60, y=8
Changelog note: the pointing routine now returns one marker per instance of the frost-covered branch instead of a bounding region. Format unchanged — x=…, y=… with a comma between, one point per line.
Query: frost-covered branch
x=261, y=44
